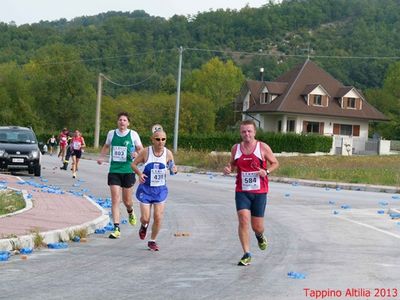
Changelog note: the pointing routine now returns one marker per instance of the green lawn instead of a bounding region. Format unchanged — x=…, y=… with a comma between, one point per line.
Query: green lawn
x=10, y=201
x=378, y=170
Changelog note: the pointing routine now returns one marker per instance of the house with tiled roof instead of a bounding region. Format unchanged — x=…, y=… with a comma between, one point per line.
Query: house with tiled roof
x=308, y=100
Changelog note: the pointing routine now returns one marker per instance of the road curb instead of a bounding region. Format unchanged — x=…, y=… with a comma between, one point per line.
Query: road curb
x=323, y=184
x=54, y=236
x=335, y=185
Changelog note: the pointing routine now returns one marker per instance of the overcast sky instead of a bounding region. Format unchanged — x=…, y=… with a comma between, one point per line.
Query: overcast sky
x=32, y=11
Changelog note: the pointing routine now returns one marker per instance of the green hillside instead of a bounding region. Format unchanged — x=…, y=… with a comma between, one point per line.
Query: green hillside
x=49, y=70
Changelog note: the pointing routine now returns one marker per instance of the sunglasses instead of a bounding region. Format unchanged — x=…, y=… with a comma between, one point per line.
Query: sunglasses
x=160, y=139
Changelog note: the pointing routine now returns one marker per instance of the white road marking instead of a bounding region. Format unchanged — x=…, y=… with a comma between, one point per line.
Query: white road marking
x=372, y=227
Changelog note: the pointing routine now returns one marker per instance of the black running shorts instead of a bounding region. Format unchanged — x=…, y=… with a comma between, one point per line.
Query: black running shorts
x=124, y=180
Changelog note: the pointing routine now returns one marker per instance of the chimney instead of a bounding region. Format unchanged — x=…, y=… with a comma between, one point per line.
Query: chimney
x=262, y=74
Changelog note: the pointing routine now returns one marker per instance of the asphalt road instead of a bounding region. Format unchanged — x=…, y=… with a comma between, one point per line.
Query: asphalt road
x=356, y=248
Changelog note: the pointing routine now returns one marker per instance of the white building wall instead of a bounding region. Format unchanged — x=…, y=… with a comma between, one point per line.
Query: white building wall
x=257, y=118
x=384, y=147
x=270, y=123
x=246, y=102
x=260, y=121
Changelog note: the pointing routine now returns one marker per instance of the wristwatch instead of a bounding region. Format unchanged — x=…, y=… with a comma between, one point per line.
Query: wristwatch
x=267, y=171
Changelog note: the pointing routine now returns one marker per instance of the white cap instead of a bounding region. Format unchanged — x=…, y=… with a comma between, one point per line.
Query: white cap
x=156, y=127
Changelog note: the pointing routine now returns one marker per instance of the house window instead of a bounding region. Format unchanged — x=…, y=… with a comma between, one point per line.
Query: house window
x=345, y=129
x=351, y=102
x=279, y=126
x=313, y=127
x=263, y=98
x=317, y=100
x=290, y=125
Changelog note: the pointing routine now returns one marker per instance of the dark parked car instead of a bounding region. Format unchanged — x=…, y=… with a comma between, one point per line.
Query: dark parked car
x=19, y=150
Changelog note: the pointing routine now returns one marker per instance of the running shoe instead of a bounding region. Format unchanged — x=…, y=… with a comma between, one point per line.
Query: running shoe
x=262, y=242
x=132, y=218
x=245, y=260
x=152, y=246
x=142, y=231
x=115, y=234
x=74, y=175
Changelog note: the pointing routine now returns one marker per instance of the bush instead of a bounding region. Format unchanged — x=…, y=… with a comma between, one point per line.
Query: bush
x=223, y=141
x=277, y=141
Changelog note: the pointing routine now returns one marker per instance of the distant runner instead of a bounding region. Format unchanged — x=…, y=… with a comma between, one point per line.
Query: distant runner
x=77, y=145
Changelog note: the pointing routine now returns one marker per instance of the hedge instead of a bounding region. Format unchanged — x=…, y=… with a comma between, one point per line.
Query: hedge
x=277, y=141
x=224, y=141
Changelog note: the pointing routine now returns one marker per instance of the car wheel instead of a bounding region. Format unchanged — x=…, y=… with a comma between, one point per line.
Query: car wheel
x=38, y=170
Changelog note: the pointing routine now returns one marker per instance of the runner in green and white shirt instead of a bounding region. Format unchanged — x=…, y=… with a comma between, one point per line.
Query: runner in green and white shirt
x=123, y=145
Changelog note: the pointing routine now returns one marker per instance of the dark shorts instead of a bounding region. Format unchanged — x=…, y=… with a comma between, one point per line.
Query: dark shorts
x=77, y=153
x=124, y=180
x=256, y=203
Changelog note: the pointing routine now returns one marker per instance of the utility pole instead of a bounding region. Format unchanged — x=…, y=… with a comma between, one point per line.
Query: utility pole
x=178, y=97
x=98, y=110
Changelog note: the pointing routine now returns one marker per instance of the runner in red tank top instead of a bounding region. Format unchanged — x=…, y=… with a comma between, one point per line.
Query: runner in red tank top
x=248, y=177
x=254, y=160
x=77, y=145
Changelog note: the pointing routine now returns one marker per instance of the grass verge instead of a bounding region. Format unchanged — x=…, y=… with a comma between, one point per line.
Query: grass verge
x=377, y=170
x=11, y=201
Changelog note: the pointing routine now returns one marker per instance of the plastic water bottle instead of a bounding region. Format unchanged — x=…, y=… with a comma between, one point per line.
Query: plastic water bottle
x=170, y=166
x=296, y=275
x=4, y=255
x=25, y=250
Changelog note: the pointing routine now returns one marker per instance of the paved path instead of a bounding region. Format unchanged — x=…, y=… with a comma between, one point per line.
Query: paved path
x=49, y=213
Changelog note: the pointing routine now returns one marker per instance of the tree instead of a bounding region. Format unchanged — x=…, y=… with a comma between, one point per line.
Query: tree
x=15, y=99
x=62, y=88
x=220, y=82
x=387, y=100
x=146, y=109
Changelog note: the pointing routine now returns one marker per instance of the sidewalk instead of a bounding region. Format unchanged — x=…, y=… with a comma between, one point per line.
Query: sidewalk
x=53, y=215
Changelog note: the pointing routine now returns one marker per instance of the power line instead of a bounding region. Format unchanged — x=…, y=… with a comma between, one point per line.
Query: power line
x=133, y=84
x=102, y=58
x=292, y=55
x=247, y=53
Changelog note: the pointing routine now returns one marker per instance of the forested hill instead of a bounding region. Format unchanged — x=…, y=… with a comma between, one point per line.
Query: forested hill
x=118, y=43
x=354, y=40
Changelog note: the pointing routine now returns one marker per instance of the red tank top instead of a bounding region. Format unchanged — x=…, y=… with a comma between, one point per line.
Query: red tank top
x=63, y=139
x=248, y=165
x=76, y=143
